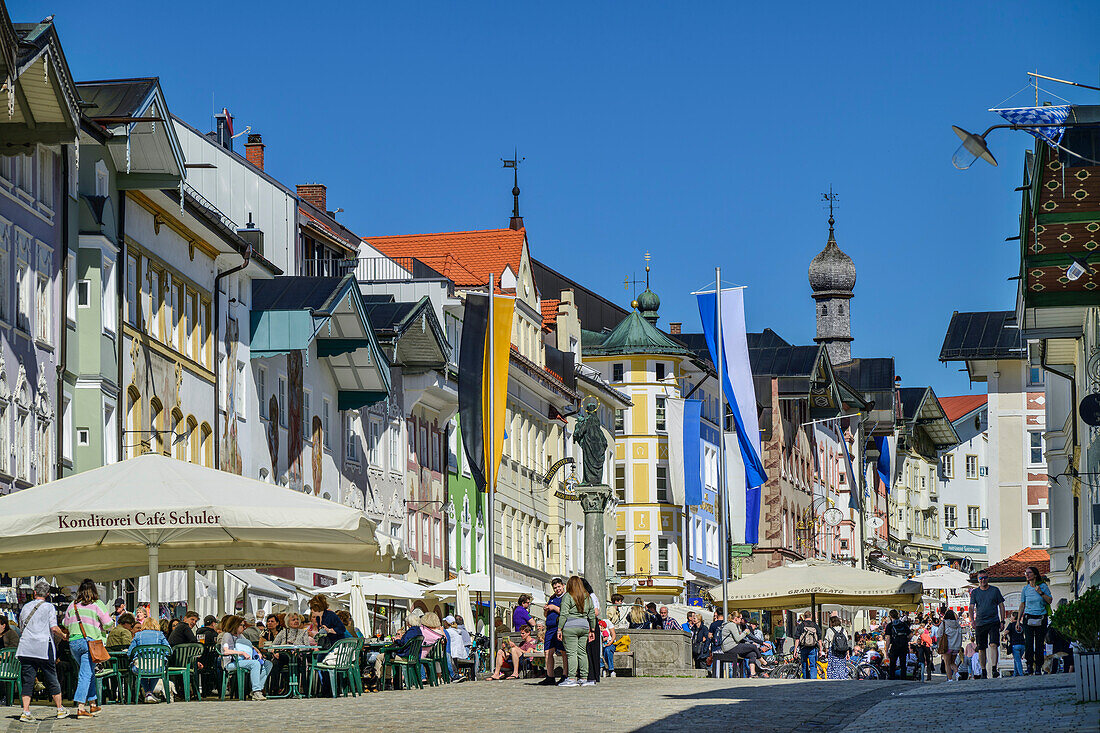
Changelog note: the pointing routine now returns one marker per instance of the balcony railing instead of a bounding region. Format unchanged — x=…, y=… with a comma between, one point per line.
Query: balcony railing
x=369, y=269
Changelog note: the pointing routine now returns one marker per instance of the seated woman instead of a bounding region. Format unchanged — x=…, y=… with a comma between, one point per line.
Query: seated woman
x=509, y=654
x=349, y=624
x=293, y=634
x=399, y=648
x=238, y=652
x=150, y=634
x=272, y=627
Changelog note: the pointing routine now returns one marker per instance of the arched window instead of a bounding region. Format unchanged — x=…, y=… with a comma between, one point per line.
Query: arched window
x=207, y=445
x=179, y=435
x=134, y=437
x=156, y=425
x=193, y=454
x=824, y=309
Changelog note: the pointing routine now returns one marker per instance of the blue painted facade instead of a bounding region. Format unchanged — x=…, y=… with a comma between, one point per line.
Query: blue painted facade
x=702, y=521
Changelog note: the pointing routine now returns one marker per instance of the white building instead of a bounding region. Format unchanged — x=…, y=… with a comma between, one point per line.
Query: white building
x=964, y=484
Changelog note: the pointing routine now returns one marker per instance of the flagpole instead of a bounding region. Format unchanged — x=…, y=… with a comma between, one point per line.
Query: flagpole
x=490, y=481
x=723, y=490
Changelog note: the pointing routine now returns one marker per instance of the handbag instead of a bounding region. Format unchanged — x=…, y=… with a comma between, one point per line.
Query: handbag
x=96, y=650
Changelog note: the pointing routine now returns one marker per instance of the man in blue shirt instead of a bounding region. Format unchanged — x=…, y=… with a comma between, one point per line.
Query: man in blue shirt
x=987, y=618
x=551, y=643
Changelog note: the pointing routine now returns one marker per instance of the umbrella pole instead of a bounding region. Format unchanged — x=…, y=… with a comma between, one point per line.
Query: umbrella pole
x=154, y=578
x=191, y=585
x=220, y=573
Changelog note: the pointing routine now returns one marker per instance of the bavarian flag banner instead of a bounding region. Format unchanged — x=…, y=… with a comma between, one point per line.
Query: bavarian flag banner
x=480, y=372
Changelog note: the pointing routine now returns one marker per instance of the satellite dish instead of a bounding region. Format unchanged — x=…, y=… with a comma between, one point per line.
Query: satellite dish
x=1090, y=409
x=832, y=516
x=876, y=522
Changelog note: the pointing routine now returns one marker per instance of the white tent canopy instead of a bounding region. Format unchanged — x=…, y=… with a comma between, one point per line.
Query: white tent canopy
x=153, y=512
x=382, y=587
x=809, y=582
x=172, y=586
x=943, y=578
x=506, y=590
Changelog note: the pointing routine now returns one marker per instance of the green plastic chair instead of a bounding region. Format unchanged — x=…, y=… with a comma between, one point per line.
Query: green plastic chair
x=409, y=664
x=436, y=664
x=149, y=662
x=339, y=663
x=106, y=671
x=356, y=664
x=241, y=674
x=11, y=674
x=183, y=664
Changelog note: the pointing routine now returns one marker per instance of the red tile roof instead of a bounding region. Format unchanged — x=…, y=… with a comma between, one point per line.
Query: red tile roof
x=956, y=407
x=549, y=313
x=466, y=258
x=1012, y=568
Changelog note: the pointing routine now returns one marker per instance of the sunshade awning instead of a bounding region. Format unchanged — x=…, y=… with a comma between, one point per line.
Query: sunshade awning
x=799, y=584
x=110, y=522
x=506, y=590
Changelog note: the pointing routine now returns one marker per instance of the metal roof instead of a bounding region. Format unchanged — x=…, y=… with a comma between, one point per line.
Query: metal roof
x=293, y=293
x=784, y=361
x=766, y=338
x=983, y=335
x=868, y=375
x=636, y=335
x=595, y=311
x=115, y=97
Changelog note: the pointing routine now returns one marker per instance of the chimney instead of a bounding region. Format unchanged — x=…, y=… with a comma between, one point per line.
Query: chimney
x=254, y=150
x=224, y=134
x=315, y=193
x=674, y=328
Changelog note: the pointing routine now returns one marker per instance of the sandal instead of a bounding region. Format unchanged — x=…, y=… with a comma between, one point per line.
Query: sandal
x=512, y=677
x=494, y=678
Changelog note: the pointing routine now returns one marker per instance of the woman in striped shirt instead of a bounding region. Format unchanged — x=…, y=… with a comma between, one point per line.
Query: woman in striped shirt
x=87, y=619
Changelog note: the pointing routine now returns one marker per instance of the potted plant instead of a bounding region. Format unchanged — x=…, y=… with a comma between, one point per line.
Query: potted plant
x=1079, y=620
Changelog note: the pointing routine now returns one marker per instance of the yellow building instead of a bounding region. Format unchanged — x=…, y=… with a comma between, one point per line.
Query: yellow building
x=639, y=360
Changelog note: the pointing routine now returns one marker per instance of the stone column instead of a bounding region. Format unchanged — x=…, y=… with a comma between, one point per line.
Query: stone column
x=594, y=501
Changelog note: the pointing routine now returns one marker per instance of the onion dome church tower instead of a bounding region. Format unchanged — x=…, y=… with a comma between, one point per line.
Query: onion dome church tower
x=833, y=278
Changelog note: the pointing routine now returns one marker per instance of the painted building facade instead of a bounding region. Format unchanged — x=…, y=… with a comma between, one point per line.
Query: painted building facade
x=37, y=171
x=964, y=484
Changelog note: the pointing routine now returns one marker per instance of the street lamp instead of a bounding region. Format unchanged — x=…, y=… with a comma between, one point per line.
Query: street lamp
x=974, y=146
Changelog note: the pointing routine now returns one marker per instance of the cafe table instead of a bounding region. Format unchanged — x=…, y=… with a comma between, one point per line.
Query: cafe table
x=294, y=666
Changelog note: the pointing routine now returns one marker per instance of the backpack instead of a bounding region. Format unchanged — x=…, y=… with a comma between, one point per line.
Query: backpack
x=808, y=638
x=839, y=646
x=899, y=631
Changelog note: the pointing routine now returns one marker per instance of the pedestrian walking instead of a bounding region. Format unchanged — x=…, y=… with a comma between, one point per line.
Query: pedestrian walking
x=922, y=639
x=950, y=643
x=987, y=617
x=593, y=647
x=1034, y=604
x=809, y=637
x=837, y=649
x=87, y=619
x=897, y=643
x=1016, y=643
x=576, y=627
x=37, y=652
x=551, y=641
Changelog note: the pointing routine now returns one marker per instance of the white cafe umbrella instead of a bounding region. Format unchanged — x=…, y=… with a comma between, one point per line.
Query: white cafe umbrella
x=943, y=578
x=462, y=604
x=358, y=606
x=506, y=590
x=815, y=582
x=382, y=587
x=154, y=512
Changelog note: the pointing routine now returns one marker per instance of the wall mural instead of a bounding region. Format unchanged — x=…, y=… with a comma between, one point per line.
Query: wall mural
x=230, y=450
x=294, y=419
x=273, y=436
x=318, y=454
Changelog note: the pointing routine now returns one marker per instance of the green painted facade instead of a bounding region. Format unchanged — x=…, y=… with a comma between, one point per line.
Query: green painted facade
x=466, y=505
x=92, y=333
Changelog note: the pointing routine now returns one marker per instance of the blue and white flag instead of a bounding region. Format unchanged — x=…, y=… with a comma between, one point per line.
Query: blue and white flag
x=884, y=459
x=853, y=484
x=685, y=450
x=1038, y=116
x=740, y=394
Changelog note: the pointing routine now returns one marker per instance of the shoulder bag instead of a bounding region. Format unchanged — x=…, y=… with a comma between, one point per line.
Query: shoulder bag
x=96, y=650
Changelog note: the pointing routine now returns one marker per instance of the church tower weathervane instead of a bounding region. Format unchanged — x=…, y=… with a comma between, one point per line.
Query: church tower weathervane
x=832, y=277
x=516, y=222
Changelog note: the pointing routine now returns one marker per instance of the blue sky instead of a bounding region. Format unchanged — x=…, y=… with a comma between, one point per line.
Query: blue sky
x=703, y=133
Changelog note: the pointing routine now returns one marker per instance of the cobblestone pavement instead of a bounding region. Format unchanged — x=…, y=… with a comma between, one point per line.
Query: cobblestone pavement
x=623, y=704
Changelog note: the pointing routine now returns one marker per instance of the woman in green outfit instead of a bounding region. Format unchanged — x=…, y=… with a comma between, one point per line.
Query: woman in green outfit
x=576, y=627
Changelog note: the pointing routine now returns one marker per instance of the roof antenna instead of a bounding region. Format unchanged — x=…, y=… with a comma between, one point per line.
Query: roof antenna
x=517, y=221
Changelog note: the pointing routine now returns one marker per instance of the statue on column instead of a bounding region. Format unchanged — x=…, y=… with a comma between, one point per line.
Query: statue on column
x=589, y=434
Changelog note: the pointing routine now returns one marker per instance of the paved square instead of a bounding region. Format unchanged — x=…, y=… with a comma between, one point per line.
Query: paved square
x=623, y=704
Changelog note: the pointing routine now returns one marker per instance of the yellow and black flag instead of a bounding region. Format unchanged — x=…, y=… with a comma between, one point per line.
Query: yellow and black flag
x=480, y=372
